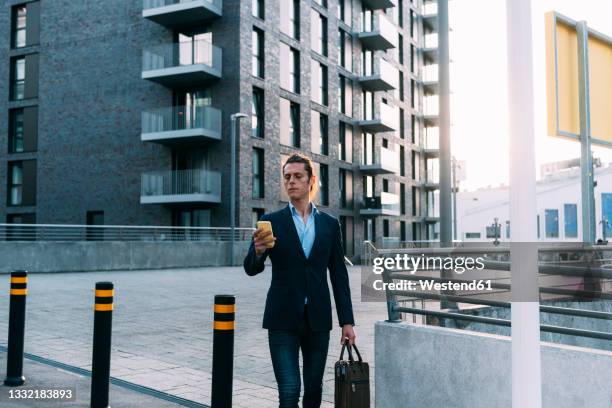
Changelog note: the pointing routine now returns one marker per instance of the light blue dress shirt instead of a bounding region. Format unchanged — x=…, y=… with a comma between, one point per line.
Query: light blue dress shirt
x=305, y=231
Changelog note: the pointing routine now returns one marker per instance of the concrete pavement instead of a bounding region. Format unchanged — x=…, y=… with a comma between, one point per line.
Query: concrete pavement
x=162, y=329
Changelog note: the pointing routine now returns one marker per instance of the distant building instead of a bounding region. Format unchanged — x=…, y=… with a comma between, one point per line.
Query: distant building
x=558, y=207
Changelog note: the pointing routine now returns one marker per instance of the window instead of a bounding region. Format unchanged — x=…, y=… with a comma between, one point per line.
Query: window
x=385, y=228
x=402, y=125
x=412, y=94
x=18, y=78
x=368, y=186
x=19, y=26
x=289, y=123
x=345, y=142
x=415, y=202
x=16, y=131
x=367, y=150
x=319, y=87
x=551, y=223
x=400, y=48
x=401, y=86
x=413, y=31
x=345, y=50
x=402, y=155
x=606, y=212
x=323, y=183
x=318, y=32
x=413, y=163
x=258, y=173
x=257, y=113
x=258, y=8
x=319, y=133
x=412, y=59
x=346, y=188
x=15, y=178
x=345, y=92
x=289, y=68
x=403, y=231
x=472, y=235
x=368, y=105
x=570, y=215
x=256, y=215
x=402, y=198
x=290, y=18
x=344, y=11
x=400, y=15
x=258, y=53
x=385, y=186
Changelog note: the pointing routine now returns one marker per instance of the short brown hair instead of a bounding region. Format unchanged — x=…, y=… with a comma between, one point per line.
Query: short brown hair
x=300, y=158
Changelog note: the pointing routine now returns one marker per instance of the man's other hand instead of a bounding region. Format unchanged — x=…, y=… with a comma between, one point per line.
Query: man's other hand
x=348, y=332
x=262, y=240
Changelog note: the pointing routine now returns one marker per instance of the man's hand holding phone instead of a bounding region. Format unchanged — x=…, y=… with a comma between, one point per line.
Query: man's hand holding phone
x=263, y=238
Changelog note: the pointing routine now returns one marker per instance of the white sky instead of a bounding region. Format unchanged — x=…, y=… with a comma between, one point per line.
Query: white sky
x=479, y=108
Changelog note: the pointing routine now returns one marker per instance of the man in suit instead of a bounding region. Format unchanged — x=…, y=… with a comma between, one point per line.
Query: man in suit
x=304, y=244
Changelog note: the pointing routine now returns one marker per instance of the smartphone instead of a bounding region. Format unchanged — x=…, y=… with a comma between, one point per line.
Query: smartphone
x=266, y=226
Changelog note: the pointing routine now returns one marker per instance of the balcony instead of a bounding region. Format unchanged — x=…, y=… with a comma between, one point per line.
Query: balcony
x=185, y=64
x=378, y=4
x=382, y=35
x=386, y=204
x=430, y=55
x=386, y=121
x=386, y=162
x=431, y=120
x=175, y=13
x=180, y=124
x=430, y=16
x=181, y=186
x=385, y=78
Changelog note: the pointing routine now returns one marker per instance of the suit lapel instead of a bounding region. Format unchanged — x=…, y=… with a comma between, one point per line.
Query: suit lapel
x=291, y=231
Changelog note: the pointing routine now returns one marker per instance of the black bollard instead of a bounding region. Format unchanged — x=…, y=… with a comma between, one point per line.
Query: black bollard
x=17, y=308
x=223, y=351
x=100, y=366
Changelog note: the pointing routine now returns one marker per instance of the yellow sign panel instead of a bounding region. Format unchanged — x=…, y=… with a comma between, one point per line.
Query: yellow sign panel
x=562, y=81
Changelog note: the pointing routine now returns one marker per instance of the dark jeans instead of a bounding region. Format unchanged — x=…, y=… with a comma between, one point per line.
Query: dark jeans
x=284, y=349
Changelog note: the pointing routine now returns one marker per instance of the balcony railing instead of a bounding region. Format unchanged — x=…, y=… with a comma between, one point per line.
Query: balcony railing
x=384, y=204
x=189, y=62
x=385, y=161
x=378, y=4
x=384, y=121
x=384, y=77
x=181, y=123
x=174, y=13
x=380, y=35
x=180, y=186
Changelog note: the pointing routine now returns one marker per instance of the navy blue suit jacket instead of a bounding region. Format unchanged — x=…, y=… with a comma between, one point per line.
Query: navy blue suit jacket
x=294, y=276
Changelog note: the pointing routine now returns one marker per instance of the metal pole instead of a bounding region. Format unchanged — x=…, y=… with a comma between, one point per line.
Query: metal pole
x=454, y=163
x=526, y=366
x=16, y=331
x=444, y=129
x=232, y=188
x=223, y=351
x=586, y=158
x=101, y=357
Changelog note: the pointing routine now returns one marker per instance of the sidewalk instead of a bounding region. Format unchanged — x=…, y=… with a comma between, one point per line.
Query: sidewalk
x=162, y=329
x=41, y=376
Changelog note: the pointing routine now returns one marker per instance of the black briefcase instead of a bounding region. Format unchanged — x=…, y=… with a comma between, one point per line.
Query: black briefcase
x=352, y=388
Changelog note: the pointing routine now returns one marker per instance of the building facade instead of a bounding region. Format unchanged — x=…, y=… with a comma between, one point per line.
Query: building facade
x=118, y=112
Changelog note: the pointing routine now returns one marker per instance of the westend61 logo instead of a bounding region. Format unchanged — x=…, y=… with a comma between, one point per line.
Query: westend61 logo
x=412, y=264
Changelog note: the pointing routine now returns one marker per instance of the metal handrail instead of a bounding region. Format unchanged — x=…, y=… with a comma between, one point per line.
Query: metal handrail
x=73, y=232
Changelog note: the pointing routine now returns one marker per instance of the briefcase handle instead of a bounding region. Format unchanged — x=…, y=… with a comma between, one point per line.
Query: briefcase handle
x=350, y=354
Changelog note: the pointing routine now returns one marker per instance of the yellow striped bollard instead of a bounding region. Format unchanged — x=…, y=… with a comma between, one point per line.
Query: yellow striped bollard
x=223, y=351
x=103, y=323
x=17, y=308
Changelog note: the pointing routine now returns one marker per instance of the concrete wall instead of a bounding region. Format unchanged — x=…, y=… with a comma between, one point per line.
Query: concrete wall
x=105, y=256
x=425, y=366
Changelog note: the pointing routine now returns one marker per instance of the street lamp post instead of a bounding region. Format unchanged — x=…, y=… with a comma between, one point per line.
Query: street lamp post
x=233, y=120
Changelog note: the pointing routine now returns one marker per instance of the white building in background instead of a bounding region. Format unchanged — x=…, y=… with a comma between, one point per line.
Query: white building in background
x=558, y=202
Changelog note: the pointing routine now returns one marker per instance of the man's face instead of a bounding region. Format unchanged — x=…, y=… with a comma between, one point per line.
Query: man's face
x=297, y=183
